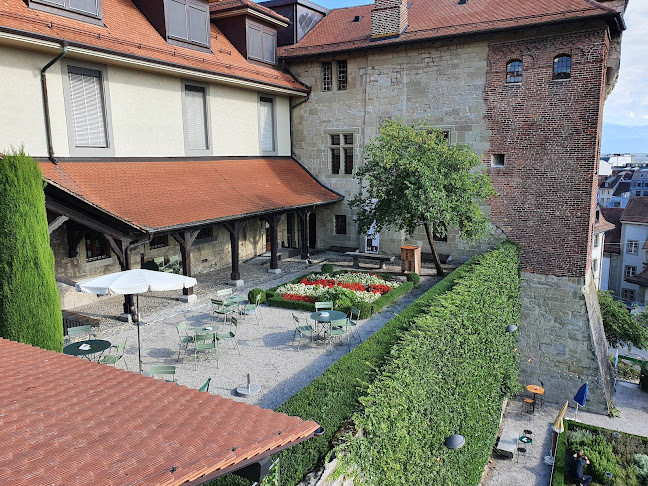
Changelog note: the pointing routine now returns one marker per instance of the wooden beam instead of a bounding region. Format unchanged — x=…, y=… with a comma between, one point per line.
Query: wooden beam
x=54, y=225
x=273, y=221
x=82, y=219
x=234, y=228
x=116, y=249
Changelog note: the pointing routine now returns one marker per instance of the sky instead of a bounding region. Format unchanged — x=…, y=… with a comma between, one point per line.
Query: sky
x=625, y=116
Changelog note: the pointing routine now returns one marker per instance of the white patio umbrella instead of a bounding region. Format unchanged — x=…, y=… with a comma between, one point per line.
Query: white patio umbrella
x=135, y=282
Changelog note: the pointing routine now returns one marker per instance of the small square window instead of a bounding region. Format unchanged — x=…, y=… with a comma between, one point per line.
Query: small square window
x=327, y=76
x=628, y=295
x=205, y=233
x=630, y=271
x=514, y=71
x=562, y=67
x=97, y=247
x=632, y=247
x=340, y=224
x=342, y=75
x=497, y=160
x=159, y=242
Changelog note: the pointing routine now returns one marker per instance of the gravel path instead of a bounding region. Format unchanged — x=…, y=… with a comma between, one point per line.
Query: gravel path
x=267, y=350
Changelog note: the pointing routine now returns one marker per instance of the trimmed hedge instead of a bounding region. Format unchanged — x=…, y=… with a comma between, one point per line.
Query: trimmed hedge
x=366, y=309
x=447, y=375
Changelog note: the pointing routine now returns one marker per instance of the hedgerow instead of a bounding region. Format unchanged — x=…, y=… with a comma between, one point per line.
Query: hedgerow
x=447, y=375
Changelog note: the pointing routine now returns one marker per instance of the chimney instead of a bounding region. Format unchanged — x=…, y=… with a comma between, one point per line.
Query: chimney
x=388, y=18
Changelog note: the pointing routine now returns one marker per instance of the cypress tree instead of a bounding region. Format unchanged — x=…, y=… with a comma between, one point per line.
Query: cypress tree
x=30, y=308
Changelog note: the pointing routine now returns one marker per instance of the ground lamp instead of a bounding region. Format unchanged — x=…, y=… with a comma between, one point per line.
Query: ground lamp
x=511, y=328
x=455, y=441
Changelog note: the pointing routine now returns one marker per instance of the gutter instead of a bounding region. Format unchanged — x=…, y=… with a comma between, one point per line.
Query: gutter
x=48, y=123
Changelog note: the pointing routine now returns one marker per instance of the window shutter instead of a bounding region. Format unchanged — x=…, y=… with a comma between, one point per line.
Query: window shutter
x=86, y=101
x=88, y=6
x=198, y=24
x=177, y=19
x=266, y=125
x=254, y=42
x=195, y=118
x=269, y=47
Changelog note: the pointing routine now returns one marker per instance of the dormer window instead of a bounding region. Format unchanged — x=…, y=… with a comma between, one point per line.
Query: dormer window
x=261, y=42
x=85, y=10
x=188, y=21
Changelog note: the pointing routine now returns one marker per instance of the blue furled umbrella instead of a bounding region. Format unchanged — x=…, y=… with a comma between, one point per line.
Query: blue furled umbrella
x=580, y=397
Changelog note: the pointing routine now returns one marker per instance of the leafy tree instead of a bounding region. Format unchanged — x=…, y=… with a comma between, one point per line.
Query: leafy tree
x=620, y=326
x=412, y=177
x=30, y=309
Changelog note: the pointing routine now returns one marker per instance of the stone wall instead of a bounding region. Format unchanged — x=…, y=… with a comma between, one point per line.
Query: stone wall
x=561, y=339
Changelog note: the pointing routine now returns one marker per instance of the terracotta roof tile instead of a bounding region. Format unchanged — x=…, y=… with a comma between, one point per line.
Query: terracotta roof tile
x=226, y=5
x=602, y=225
x=65, y=420
x=439, y=18
x=156, y=195
x=639, y=279
x=128, y=32
x=613, y=237
x=636, y=211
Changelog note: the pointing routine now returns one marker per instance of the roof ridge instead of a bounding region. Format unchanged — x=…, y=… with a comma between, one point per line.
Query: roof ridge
x=602, y=7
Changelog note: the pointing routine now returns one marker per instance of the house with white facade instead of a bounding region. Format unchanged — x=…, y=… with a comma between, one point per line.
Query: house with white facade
x=634, y=251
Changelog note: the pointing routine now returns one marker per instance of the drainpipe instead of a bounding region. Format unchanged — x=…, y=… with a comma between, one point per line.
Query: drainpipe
x=48, y=126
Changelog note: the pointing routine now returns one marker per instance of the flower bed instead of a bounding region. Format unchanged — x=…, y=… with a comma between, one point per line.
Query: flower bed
x=367, y=291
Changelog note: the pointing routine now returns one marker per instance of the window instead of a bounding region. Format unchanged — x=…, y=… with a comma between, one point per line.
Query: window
x=632, y=247
x=188, y=21
x=342, y=75
x=266, y=125
x=597, y=241
x=159, y=242
x=630, y=271
x=628, y=295
x=514, y=71
x=562, y=67
x=261, y=43
x=86, y=107
x=327, y=76
x=497, y=160
x=76, y=9
x=96, y=246
x=616, y=204
x=341, y=149
x=340, y=224
x=195, y=119
x=205, y=233
x=595, y=265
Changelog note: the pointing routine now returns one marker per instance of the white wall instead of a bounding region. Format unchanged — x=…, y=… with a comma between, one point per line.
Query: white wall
x=629, y=232
x=605, y=274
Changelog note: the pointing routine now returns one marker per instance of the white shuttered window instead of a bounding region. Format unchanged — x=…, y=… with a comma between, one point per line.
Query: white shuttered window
x=87, y=108
x=266, y=124
x=195, y=118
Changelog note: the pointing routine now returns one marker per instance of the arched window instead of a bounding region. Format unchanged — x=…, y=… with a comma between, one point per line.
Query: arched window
x=562, y=67
x=514, y=71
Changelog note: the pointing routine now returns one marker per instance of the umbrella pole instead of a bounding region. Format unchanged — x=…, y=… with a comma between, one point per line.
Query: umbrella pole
x=139, y=344
x=576, y=413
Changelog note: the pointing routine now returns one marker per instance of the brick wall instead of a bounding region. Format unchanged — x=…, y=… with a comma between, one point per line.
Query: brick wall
x=549, y=131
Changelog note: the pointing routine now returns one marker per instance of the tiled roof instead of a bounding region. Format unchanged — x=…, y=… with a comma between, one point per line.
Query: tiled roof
x=167, y=194
x=639, y=279
x=227, y=5
x=612, y=238
x=68, y=421
x=439, y=18
x=602, y=225
x=636, y=211
x=128, y=32
x=621, y=188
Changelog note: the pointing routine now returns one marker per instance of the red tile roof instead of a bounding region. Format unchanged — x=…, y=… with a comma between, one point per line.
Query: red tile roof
x=613, y=238
x=227, y=5
x=68, y=421
x=636, y=211
x=128, y=32
x=439, y=18
x=158, y=195
x=602, y=225
x=640, y=279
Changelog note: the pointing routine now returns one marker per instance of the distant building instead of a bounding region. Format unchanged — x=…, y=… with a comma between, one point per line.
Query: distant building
x=639, y=183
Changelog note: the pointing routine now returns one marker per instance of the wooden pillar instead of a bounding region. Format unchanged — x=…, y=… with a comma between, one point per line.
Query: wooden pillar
x=303, y=228
x=186, y=240
x=234, y=228
x=124, y=256
x=273, y=221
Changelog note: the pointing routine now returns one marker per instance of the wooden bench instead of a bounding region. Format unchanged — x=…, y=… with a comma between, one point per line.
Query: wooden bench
x=382, y=259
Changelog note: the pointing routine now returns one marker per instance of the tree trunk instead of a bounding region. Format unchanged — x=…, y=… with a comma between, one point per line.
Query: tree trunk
x=435, y=255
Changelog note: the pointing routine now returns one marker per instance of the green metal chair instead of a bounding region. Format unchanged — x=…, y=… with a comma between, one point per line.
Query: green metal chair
x=73, y=333
x=253, y=309
x=116, y=357
x=205, y=387
x=301, y=329
x=184, y=338
x=352, y=322
x=228, y=336
x=204, y=344
x=163, y=370
x=337, y=330
x=323, y=306
x=221, y=308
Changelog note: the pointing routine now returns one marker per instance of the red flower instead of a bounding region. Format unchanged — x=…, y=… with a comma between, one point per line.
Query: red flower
x=380, y=289
x=303, y=298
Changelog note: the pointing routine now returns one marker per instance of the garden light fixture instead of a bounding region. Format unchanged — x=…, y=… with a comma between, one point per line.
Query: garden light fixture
x=455, y=441
x=511, y=328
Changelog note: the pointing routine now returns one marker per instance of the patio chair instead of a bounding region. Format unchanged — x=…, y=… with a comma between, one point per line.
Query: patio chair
x=163, y=370
x=204, y=344
x=301, y=329
x=352, y=321
x=222, y=293
x=336, y=330
x=183, y=337
x=253, y=309
x=205, y=387
x=225, y=336
x=323, y=306
x=221, y=308
x=77, y=332
x=114, y=358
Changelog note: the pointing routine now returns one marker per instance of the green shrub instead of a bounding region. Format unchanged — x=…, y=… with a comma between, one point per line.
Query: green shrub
x=579, y=438
x=641, y=463
x=448, y=374
x=643, y=378
x=30, y=308
x=331, y=398
x=415, y=278
x=601, y=457
x=252, y=295
x=327, y=268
